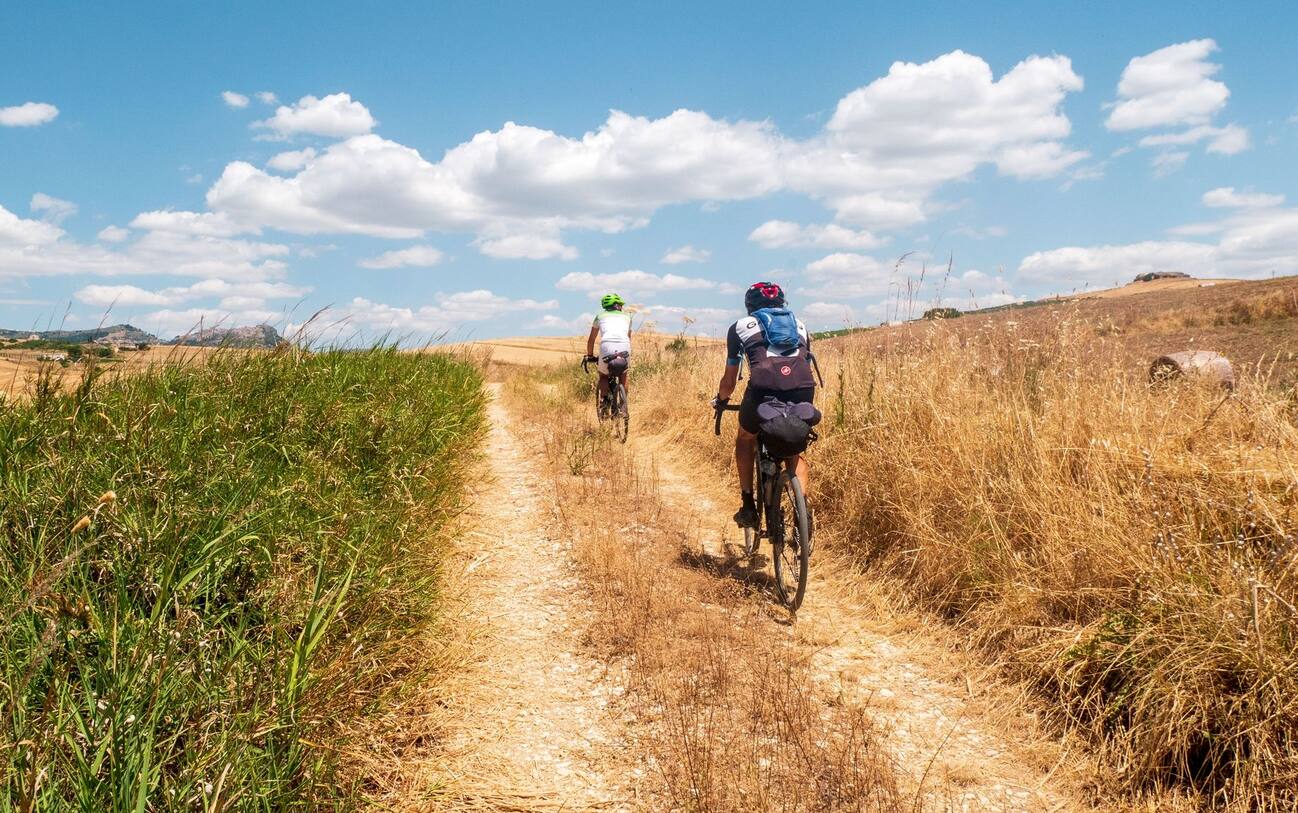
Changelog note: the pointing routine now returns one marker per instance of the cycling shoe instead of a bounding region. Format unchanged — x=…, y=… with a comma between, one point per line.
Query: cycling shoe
x=746, y=517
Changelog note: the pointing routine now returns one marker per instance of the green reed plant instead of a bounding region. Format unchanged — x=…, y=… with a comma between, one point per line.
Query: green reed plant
x=210, y=575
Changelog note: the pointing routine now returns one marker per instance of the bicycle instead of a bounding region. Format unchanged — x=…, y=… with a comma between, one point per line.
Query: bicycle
x=614, y=405
x=779, y=497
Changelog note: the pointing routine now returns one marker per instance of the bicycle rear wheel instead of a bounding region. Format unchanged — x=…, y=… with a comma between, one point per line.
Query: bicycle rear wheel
x=618, y=410
x=790, y=536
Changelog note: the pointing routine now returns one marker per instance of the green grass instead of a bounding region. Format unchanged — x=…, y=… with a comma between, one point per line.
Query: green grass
x=255, y=588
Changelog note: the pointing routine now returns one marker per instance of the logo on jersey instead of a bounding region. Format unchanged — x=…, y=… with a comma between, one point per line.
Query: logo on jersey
x=785, y=370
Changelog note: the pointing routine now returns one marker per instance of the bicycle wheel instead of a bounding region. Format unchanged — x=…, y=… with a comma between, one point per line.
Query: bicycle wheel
x=789, y=540
x=624, y=411
x=753, y=536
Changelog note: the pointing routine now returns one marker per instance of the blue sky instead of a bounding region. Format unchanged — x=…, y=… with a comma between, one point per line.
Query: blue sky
x=1041, y=148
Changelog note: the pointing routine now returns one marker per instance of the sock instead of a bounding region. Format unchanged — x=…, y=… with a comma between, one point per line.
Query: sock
x=747, y=497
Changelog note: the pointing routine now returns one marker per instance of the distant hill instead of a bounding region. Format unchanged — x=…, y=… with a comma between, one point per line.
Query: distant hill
x=112, y=334
x=252, y=336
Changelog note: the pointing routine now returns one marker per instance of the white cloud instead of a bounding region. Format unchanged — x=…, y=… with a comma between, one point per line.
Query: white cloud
x=633, y=282
x=1117, y=263
x=686, y=254
x=417, y=256
x=292, y=160
x=1254, y=241
x=878, y=211
x=447, y=312
x=1227, y=197
x=15, y=231
x=846, y=274
x=334, y=116
x=578, y=323
x=246, y=295
x=169, y=246
x=526, y=247
x=1165, y=163
x=266, y=97
x=113, y=234
x=52, y=209
x=519, y=188
x=890, y=143
x=1169, y=87
x=1227, y=140
x=672, y=318
x=232, y=99
x=785, y=234
x=210, y=224
x=29, y=114
x=827, y=315
x=980, y=234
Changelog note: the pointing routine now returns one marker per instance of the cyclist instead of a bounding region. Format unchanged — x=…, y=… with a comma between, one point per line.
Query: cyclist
x=612, y=327
x=781, y=369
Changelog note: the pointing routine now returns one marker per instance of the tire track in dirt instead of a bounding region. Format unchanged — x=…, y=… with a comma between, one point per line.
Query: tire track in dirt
x=961, y=743
x=532, y=724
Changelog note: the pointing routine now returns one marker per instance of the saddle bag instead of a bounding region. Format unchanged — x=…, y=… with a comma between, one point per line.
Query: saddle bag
x=617, y=362
x=786, y=428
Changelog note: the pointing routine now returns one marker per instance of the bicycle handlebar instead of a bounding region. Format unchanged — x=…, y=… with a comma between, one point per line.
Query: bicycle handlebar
x=720, y=409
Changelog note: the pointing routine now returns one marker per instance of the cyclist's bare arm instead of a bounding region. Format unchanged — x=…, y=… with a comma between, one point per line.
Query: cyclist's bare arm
x=590, y=340
x=729, y=378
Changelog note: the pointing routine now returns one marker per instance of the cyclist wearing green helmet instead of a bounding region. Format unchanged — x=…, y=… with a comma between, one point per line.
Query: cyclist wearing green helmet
x=612, y=327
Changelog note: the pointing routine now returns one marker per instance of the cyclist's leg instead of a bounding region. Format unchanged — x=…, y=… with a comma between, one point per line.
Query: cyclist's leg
x=798, y=465
x=603, y=386
x=745, y=458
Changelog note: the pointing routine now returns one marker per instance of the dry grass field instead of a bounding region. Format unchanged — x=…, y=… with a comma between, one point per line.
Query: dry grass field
x=1129, y=552
x=19, y=369
x=1253, y=323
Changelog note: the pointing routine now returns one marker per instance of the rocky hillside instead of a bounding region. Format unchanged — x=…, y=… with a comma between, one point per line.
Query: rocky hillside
x=251, y=336
x=117, y=335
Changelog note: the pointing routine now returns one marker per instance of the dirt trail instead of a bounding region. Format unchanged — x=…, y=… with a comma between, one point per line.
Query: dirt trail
x=961, y=743
x=536, y=724
x=533, y=728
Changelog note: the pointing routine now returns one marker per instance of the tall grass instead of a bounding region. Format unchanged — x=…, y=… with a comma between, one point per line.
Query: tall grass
x=212, y=574
x=1131, y=552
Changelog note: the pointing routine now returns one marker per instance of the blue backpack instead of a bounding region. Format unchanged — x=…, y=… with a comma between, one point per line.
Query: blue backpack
x=780, y=328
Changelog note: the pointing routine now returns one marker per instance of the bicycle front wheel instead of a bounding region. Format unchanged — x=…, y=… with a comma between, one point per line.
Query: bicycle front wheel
x=790, y=538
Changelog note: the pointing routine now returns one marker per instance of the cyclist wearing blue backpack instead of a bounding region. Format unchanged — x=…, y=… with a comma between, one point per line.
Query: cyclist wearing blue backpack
x=777, y=347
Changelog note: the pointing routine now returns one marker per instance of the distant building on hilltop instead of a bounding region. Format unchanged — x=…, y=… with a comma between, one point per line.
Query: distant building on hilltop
x=1153, y=275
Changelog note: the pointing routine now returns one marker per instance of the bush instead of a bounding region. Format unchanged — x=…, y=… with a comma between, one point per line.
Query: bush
x=214, y=573
x=942, y=313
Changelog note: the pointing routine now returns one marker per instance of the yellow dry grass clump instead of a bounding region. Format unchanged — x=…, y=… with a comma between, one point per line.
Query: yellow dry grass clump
x=1130, y=552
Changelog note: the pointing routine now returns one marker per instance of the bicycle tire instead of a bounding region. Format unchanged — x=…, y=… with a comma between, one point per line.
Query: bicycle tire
x=790, y=538
x=753, y=536
x=624, y=412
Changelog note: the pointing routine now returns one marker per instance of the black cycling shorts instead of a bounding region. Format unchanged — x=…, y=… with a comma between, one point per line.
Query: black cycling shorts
x=753, y=397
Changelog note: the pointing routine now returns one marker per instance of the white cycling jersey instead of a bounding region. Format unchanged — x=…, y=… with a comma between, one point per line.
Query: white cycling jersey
x=614, y=332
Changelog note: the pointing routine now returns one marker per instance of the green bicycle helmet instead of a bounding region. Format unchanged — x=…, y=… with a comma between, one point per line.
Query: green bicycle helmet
x=612, y=302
